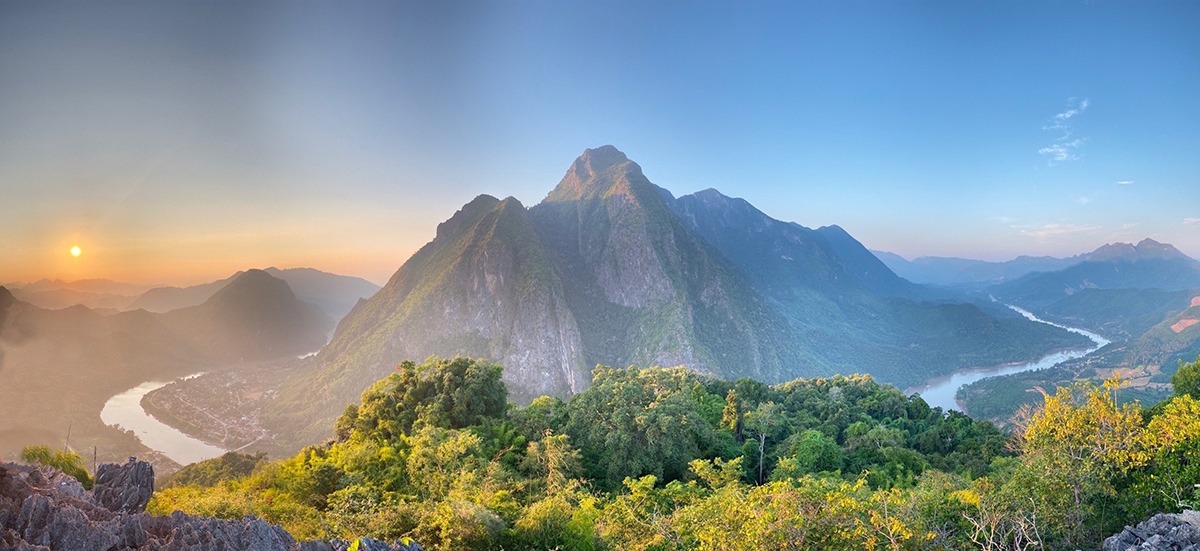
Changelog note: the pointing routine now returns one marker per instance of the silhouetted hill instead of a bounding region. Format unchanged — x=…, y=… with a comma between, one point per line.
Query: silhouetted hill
x=67, y=362
x=255, y=316
x=93, y=293
x=165, y=299
x=333, y=293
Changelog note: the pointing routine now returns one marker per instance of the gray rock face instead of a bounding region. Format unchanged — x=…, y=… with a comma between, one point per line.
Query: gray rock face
x=43, y=510
x=125, y=488
x=1159, y=533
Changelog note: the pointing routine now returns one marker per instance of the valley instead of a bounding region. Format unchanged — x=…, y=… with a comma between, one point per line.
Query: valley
x=943, y=391
x=764, y=357
x=611, y=269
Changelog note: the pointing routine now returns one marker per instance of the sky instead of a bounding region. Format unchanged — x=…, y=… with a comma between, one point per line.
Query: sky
x=178, y=142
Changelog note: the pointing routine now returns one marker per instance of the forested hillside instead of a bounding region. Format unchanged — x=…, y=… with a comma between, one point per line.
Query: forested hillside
x=669, y=459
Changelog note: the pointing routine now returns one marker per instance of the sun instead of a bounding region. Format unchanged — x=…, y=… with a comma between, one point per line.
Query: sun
x=76, y=251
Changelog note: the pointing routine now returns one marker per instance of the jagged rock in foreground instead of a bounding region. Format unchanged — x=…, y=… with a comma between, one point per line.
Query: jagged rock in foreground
x=43, y=509
x=124, y=488
x=1161, y=532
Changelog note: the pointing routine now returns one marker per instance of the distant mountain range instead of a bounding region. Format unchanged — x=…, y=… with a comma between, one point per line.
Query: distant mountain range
x=963, y=272
x=1147, y=265
x=61, y=365
x=611, y=269
x=334, y=294
x=1144, y=297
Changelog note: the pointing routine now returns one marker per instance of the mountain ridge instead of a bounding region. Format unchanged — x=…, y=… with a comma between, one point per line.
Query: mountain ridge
x=609, y=269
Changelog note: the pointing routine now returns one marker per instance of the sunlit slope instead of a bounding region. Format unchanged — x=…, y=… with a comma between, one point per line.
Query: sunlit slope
x=482, y=288
x=611, y=269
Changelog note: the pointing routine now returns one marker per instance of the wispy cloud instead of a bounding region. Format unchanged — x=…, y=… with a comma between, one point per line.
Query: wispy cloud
x=1084, y=200
x=1064, y=146
x=1125, y=182
x=1056, y=230
x=1002, y=219
x=1191, y=221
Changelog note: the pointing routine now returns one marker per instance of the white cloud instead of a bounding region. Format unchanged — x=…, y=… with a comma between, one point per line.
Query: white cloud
x=1125, y=182
x=1056, y=230
x=1062, y=151
x=1064, y=146
x=1084, y=200
x=1191, y=221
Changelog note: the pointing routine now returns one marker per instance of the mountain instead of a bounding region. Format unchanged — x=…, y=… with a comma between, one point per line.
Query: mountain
x=963, y=272
x=610, y=269
x=873, y=275
x=482, y=287
x=67, y=362
x=98, y=286
x=256, y=316
x=165, y=299
x=59, y=366
x=93, y=293
x=848, y=307
x=1176, y=339
x=1118, y=314
x=1147, y=265
x=335, y=294
x=599, y=272
x=647, y=290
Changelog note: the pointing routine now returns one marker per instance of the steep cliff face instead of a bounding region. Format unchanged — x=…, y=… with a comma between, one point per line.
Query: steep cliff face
x=482, y=288
x=646, y=289
x=611, y=269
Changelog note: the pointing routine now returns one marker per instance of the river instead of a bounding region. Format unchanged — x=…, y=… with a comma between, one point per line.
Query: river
x=125, y=410
x=940, y=392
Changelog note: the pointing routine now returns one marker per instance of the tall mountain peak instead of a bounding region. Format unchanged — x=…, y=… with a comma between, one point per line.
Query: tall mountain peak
x=594, y=173
x=253, y=283
x=1146, y=249
x=467, y=216
x=601, y=158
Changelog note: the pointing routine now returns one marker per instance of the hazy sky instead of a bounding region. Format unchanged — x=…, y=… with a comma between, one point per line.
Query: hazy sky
x=179, y=142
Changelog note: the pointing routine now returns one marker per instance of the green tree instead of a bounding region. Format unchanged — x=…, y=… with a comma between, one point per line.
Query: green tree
x=1074, y=447
x=636, y=422
x=811, y=451
x=453, y=394
x=766, y=422
x=1186, y=379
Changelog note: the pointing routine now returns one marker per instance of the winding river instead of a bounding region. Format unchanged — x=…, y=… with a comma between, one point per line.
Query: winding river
x=125, y=410
x=940, y=392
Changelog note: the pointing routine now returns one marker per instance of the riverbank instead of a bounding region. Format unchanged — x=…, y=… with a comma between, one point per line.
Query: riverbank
x=943, y=391
x=125, y=410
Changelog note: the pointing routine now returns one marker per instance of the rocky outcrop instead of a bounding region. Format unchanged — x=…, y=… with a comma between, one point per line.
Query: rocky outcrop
x=1162, y=532
x=124, y=488
x=41, y=509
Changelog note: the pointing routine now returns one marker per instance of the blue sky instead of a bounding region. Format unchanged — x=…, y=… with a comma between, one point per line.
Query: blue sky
x=178, y=142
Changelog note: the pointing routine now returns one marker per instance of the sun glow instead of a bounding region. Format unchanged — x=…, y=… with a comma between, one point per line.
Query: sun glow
x=76, y=251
